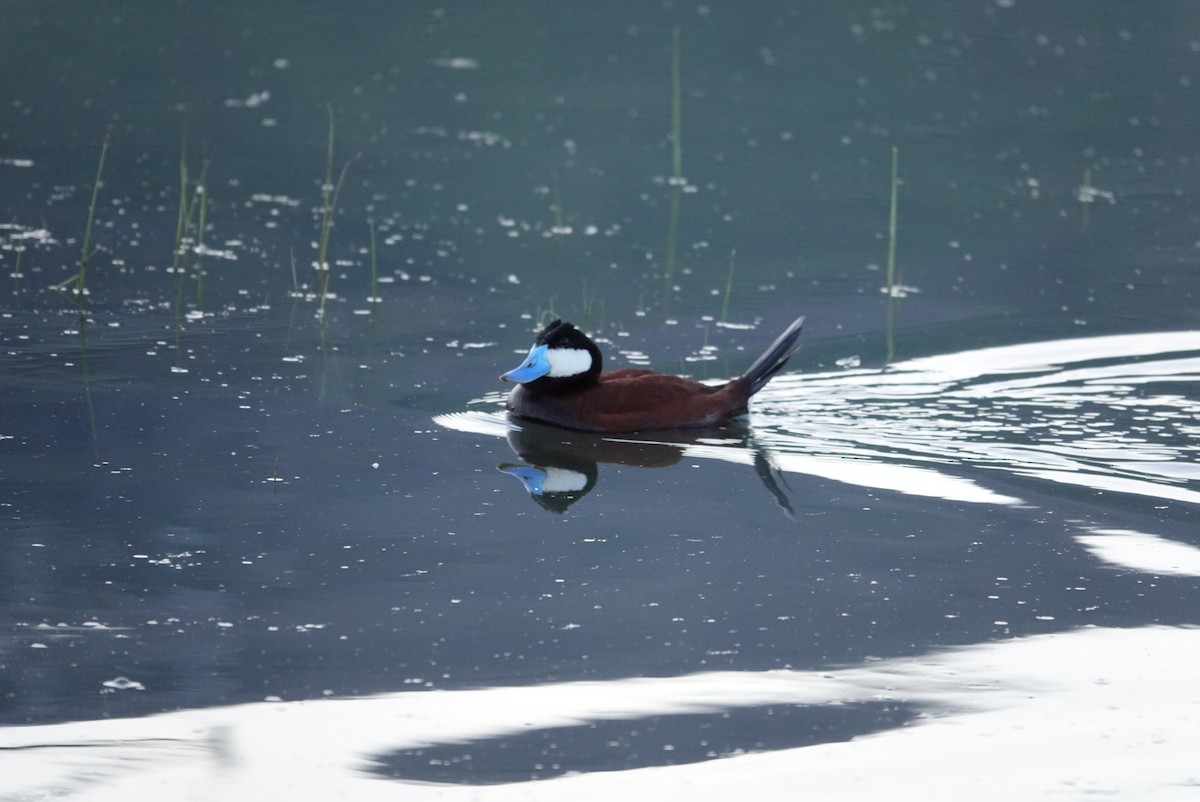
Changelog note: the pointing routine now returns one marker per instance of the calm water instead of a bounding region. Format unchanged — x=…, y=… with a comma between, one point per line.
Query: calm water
x=216, y=493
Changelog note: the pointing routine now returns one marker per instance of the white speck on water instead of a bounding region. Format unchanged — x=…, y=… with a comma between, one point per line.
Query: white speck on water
x=123, y=684
x=282, y=200
x=456, y=63
x=1090, y=194
x=255, y=100
x=899, y=290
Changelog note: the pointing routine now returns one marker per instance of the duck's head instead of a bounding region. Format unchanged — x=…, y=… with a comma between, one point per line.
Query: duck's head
x=561, y=354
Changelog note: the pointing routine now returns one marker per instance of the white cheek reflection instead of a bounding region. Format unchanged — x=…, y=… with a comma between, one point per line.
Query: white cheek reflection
x=561, y=480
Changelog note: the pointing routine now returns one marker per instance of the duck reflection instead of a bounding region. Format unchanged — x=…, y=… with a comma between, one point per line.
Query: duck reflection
x=559, y=467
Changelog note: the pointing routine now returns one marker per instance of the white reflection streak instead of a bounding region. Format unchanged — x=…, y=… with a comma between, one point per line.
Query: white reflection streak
x=900, y=478
x=1139, y=551
x=1053, y=354
x=1118, y=484
x=1034, y=718
x=492, y=424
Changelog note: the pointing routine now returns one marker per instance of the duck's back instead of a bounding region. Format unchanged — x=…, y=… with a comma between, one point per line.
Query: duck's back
x=633, y=400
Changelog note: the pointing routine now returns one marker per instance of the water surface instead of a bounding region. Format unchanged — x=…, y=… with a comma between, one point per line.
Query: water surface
x=304, y=544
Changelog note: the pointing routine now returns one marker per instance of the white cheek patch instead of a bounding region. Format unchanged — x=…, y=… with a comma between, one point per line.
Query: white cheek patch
x=566, y=362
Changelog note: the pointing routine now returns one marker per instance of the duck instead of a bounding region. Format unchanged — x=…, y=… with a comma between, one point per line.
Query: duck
x=562, y=383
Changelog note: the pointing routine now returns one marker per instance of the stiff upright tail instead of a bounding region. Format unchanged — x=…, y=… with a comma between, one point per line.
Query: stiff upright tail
x=774, y=358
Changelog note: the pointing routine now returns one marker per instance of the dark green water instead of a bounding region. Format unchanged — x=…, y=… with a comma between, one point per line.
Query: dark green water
x=214, y=490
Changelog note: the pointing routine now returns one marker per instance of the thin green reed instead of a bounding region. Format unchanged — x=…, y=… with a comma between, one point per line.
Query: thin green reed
x=16, y=273
x=891, y=258
x=374, y=299
x=198, y=265
x=676, y=106
x=728, y=286
x=677, y=179
x=86, y=252
x=327, y=193
x=329, y=200
x=181, y=221
x=186, y=260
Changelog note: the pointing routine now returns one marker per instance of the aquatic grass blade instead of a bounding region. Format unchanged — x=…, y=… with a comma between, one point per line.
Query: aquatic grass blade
x=85, y=253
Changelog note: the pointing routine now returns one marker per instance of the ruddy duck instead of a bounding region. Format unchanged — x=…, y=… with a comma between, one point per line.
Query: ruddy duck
x=561, y=383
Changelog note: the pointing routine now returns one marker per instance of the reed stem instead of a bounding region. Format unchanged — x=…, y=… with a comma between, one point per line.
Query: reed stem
x=198, y=266
x=891, y=261
x=85, y=253
x=329, y=200
x=891, y=257
x=676, y=106
x=181, y=221
x=728, y=286
x=374, y=299
x=16, y=273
